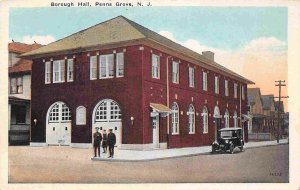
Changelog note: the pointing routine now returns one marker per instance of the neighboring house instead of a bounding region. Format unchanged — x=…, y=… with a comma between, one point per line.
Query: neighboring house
x=284, y=117
x=153, y=92
x=268, y=104
x=19, y=92
x=255, y=109
x=262, y=109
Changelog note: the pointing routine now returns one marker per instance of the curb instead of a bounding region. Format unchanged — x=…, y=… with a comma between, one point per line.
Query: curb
x=172, y=157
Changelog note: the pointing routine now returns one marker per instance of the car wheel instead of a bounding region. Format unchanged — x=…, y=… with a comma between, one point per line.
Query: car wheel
x=213, y=150
x=231, y=148
x=242, y=148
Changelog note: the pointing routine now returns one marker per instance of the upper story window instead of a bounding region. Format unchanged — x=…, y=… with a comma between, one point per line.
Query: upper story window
x=175, y=118
x=191, y=77
x=106, y=66
x=93, y=67
x=70, y=70
x=191, y=114
x=243, y=93
x=16, y=85
x=205, y=120
x=216, y=84
x=226, y=88
x=58, y=71
x=155, y=66
x=204, y=81
x=48, y=72
x=175, y=72
x=235, y=90
x=120, y=65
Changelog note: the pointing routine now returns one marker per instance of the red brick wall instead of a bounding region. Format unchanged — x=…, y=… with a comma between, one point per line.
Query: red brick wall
x=85, y=92
x=134, y=93
x=155, y=91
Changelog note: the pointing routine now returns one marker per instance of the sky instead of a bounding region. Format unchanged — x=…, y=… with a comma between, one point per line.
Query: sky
x=251, y=41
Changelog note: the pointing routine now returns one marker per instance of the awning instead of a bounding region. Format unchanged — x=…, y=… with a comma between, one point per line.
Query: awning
x=161, y=109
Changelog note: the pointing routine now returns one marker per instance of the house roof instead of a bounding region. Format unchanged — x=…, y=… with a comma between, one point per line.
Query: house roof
x=252, y=93
x=23, y=65
x=18, y=47
x=267, y=101
x=116, y=30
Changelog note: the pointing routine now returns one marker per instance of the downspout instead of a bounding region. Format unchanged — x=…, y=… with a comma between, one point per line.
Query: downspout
x=241, y=123
x=168, y=101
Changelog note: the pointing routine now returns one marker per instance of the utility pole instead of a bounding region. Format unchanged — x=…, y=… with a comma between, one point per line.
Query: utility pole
x=280, y=83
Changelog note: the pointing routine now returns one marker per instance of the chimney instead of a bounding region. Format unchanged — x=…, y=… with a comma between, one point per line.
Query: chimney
x=209, y=55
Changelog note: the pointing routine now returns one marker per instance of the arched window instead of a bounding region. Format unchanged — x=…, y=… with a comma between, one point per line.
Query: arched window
x=59, y=112
x=235, y=119
x=191, y=114
x=108, y=110
x=175, y=118
x=226, y=117
x=205, y=120
x=80, y=115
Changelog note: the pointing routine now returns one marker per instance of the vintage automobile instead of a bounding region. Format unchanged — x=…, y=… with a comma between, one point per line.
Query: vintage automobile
x=228, y=139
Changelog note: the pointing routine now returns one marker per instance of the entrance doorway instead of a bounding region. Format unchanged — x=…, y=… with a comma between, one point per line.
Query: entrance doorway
x=107, y=115
x=58, y=124
x=155, y=126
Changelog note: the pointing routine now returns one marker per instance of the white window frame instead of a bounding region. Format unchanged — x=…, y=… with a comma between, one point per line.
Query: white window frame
x=191, y=115
x=226, y=117
x=70, y=70
x=80, y=115
x=235, y=119
x=217, y=84
x=226, y=88
x=48, y=72
x=109, y=66
x=108, y=106
x=60, y=64
x=155, y=66
x=93, y=67
x=120, y=65
x=235, y=86
x=205, y=120
x=63, y=113
x=175, y=119
x=175, y=72
x=191, y=77
x=204, y=81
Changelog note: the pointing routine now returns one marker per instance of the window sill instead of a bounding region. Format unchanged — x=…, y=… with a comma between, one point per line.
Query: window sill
x=205, y=133
x=59, y=82
x=191, y=133
x=155, y=78
x=70, y=81
x=175, y=134
x=106, y=77
x=93, y=78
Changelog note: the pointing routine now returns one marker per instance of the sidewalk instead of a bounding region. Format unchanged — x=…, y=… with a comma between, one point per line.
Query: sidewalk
x=137, y=155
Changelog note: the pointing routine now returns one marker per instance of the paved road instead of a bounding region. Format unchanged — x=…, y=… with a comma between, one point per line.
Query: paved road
x=64, y=164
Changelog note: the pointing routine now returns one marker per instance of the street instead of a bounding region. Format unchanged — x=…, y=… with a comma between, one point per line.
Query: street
x=64, y=164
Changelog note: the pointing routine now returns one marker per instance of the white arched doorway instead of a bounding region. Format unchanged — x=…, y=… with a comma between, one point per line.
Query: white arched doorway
x=217, y=117
x=107, y=115
x=58, y=124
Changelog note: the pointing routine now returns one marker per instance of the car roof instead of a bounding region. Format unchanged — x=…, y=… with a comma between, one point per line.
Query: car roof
x=230, y=129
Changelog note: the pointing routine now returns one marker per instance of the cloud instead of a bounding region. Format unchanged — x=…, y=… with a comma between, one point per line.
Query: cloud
x=262, y=60
x=168, y=35
x=38, y=39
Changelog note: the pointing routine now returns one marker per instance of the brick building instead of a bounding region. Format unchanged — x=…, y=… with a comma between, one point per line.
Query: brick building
x=153, y=92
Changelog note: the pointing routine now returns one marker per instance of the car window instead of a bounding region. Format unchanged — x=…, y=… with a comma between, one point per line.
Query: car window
x=226, y=134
